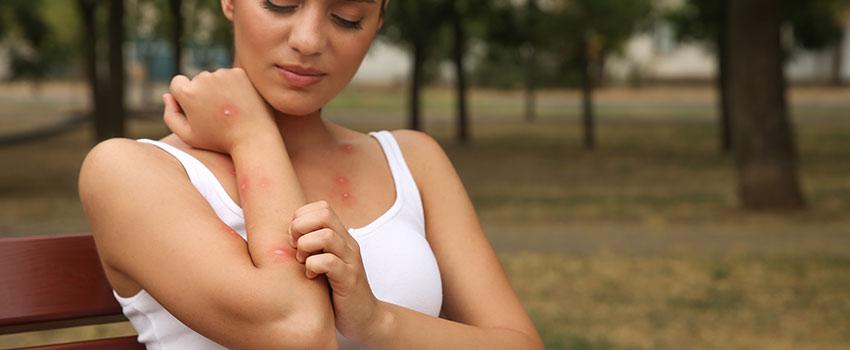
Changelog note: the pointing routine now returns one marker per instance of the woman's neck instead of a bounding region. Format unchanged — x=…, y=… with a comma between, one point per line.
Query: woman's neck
x=305, y=134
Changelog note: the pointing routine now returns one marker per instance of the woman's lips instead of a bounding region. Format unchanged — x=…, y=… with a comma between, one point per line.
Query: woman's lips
x=300, y=77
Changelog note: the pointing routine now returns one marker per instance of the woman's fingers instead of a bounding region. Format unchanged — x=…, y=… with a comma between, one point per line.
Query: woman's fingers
x=330, y=265
x=179, y=86
x=174, y=118
x=324, y=240
x=314, y=217
x=299, y=213
x=310, y=207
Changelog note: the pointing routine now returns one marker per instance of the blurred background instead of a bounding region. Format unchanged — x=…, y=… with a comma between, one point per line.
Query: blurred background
x=654, y=174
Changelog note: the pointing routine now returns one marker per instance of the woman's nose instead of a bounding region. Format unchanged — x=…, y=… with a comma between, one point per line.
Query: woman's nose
x=307, y=36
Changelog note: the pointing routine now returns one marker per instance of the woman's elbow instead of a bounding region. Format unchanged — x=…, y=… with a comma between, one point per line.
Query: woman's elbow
x=302, y=329
x=313, y=331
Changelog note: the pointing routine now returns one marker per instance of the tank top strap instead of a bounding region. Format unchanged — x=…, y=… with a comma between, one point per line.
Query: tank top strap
x=194, y=168
x=400, y=171
x=205, y=182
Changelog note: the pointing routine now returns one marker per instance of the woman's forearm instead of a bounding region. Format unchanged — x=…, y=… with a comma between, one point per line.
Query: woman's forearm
x=269, y=193
x=401, y=328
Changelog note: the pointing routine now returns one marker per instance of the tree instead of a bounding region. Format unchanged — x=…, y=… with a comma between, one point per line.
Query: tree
x=415, y=24
x=589, y=30
x=34, y=47
x=515, y=33
x=459, y=10
x=705, y=20
x=467, y=24
x=176, y=7
x=765, y=156
x=107, y=92
x=113, y=124
x=815, y=25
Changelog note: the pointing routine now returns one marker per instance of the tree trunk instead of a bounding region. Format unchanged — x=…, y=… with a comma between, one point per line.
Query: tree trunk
x=415, y=84
x=88, y=9
x=177, y=35
x=528, y=56
x=838, y=63
x=459, y=49
x=723, y=91
x=114, y=120
x=587, y=85
x=530, y=84
x=764, y=146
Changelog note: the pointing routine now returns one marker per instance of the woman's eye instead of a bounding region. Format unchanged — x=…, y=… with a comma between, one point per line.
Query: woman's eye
x=279, y=8
x=348, y=23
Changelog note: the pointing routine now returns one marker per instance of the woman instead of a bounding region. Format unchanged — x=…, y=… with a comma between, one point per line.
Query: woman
x=326, y=264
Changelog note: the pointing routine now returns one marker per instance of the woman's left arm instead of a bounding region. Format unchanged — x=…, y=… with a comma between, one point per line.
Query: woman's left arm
x=477, y=294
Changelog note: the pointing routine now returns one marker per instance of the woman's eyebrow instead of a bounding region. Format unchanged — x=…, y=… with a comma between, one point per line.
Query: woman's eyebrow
x=362, y=1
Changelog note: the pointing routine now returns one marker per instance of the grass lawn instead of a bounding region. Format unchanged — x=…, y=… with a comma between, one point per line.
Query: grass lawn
x=638, y=244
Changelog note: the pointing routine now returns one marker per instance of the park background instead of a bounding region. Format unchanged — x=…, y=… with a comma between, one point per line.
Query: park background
x=604, y=143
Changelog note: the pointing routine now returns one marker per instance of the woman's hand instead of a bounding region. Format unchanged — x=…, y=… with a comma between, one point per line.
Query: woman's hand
x=215, y=111
x=324, y=246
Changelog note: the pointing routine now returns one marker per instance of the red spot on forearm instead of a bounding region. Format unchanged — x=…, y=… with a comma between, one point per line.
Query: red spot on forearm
x=265, y=183
x=282, y=254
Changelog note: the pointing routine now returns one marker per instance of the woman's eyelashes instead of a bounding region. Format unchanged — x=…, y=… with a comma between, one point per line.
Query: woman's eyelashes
x=273, y=7
x=339, y=20
x=358, y=24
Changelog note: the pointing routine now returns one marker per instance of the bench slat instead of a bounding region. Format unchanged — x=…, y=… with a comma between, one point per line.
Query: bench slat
x=50, y=279
x=123, y=343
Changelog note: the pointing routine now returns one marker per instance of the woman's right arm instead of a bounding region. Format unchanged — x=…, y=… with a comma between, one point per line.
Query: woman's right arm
x=152, y=225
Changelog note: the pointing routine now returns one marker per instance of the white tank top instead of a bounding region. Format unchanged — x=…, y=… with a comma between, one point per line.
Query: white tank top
x=398, y=260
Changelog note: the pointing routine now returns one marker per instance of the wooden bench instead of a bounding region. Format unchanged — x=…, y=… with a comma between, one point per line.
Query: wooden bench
x=54, y=282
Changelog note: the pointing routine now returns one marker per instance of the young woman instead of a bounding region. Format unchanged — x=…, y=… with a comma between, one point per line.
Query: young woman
x=351, y=240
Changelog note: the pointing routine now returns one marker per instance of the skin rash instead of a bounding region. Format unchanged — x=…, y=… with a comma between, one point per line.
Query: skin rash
x=228, y=112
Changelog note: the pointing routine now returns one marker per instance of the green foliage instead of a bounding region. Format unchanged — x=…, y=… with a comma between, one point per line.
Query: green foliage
x=38, y=36
x=697, y=20
x=552, y=37
x=610, y=22
x=416, y=22
x=816, y=24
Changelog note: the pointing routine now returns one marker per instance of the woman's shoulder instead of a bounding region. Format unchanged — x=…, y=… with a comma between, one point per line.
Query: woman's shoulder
x=116, y=162
x=424, y=155
x=116, y=155
x=119, y=156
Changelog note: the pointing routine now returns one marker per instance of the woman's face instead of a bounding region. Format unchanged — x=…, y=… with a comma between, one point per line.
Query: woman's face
x=301, y=53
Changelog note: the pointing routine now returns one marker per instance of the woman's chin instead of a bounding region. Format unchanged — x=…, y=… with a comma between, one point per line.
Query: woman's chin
x=295, y=110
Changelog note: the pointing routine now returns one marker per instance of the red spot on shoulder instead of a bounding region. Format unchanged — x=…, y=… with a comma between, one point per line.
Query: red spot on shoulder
x=346, y=148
